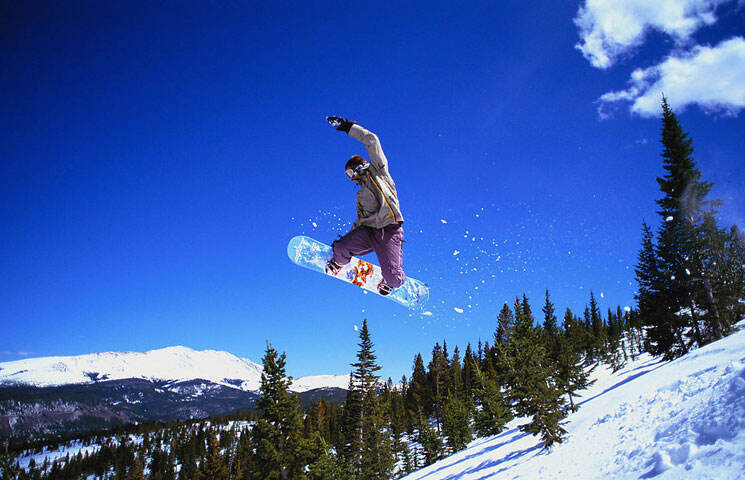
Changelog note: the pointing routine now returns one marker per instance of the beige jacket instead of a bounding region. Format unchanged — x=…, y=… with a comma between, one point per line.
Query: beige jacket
x=377, y=199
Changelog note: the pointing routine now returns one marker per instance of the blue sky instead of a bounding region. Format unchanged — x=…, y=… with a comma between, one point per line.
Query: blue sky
x=157, y=158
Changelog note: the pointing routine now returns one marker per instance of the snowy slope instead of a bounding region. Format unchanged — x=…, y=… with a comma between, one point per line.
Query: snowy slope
x=168, y=364
x=305, y=384
x=678, y=420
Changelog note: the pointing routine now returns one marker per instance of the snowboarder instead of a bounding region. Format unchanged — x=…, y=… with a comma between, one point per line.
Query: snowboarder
x=378, y=226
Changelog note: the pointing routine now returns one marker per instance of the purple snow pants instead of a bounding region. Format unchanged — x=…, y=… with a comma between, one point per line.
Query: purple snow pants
x=386, y=243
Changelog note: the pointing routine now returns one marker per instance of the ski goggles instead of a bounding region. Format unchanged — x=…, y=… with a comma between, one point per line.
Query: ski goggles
x=355, y=172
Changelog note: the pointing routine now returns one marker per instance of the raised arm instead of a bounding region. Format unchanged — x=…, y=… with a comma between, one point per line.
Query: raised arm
x=369, y=139
x=372, y=145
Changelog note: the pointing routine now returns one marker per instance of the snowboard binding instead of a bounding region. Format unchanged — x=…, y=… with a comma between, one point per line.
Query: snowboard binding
x=332, y=268
x=384, y=289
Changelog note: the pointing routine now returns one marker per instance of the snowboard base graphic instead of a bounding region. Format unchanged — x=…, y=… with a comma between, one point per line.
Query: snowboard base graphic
x=312, y=254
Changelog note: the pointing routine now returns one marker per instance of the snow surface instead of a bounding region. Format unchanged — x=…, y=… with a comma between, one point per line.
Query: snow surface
x=167, y=364
x=320, y=381
x=666, y=420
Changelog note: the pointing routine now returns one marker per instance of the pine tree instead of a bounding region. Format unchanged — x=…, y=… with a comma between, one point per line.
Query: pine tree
x=505, y=323
x=456, y=375
x=530, y=377
x=718, y=280
x=494, y=368
x=137, y=470
x=8, y=467
x=244, y=461
x=469, y=363
x=684, y=208
x=213, y=466
x=368, y=449
x=549, y=317
x=731, y=288
x=430, y=440
x=654, y=306
x=377, y=455
x=684, y=296
x=437, y=377
x=571, y=373
x=325, y=465
x=456, y=423
x=417, y=395
x=277, y=438
x=493, y=412
x=597, y=325
x=550, y=328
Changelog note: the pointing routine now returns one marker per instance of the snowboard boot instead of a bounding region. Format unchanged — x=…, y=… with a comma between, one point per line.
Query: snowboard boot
x=384, y=289
x=332, y=268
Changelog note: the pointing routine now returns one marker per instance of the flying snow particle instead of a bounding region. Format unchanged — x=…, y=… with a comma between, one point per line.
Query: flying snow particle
x=427, y=313
x=314, y=225
x=669, y=219
x=455, y=252
x=443, y=220
x=356, y=328
x=627, y=308
x=458, y=310
x=688, y=272
x=602, y=295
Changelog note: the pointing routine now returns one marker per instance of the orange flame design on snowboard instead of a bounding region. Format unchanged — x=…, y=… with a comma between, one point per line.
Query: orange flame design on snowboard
x=362, y=272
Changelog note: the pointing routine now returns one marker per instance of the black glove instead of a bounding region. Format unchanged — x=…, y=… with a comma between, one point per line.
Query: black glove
x=339, y=123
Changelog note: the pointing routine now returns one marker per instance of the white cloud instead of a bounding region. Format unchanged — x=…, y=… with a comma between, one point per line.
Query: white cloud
x=612, y=28
x=711, y=77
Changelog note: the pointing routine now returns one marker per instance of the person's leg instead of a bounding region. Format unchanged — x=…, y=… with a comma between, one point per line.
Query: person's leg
x=355, y=243
x=388, y=246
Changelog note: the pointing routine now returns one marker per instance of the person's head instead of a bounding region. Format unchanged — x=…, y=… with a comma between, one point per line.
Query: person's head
x=354, y=166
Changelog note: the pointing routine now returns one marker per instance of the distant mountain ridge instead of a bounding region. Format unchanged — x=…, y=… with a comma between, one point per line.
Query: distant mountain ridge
x=49, y=397
x=170, y=364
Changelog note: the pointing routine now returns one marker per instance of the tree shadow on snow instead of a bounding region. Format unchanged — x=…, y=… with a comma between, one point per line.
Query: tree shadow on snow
x=489, y=464
x=481, y=451
x=651, y=368
x=647, y=364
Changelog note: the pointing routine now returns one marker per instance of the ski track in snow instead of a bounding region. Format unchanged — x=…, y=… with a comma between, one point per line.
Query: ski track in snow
x=679, y=420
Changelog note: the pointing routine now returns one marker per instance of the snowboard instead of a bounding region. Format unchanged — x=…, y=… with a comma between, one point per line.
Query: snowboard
x=312, y=254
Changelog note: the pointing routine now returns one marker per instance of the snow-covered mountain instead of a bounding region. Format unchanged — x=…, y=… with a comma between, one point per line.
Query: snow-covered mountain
x=665, y=420
x=57, y=396
x=171, y=364
x=305, y=384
